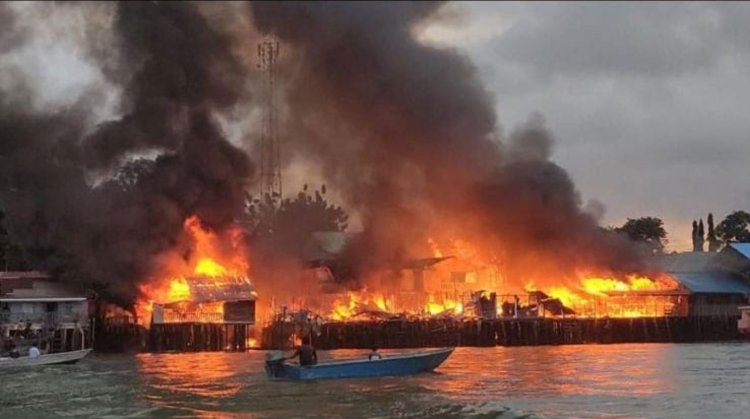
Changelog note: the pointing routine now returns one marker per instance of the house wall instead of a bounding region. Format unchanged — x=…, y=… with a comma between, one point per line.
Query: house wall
x=716, y=304
x=16, y=315
x=217, y=312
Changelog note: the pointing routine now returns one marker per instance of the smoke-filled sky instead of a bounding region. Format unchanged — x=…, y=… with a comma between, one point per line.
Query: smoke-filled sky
x=508, y=123
x=647, y=101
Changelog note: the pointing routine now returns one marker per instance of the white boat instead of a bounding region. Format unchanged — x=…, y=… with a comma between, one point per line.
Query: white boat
x=49, y=359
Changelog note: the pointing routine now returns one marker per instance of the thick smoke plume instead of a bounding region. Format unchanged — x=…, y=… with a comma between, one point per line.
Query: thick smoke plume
x=408, y=133
x=405, y=132
x=176, y=70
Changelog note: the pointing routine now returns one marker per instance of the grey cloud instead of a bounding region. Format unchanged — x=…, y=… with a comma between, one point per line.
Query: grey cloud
x=647, y=101
x=627, y=39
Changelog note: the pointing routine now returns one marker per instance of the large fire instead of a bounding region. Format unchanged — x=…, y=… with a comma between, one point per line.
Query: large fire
x=187, y=286
x=632, y=297
x=453, y=286
x=365, y=304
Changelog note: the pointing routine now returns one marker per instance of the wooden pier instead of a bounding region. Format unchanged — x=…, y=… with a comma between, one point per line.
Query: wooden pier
x=504, y=332
x=118, y=334
x=197, y=337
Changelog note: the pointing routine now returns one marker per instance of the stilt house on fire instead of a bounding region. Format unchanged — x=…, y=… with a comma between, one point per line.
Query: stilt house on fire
x=221, y=300
x=216, y=313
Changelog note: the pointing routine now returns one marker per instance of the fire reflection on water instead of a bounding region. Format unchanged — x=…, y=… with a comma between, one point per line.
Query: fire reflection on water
x=597, y=370
x=209, y=375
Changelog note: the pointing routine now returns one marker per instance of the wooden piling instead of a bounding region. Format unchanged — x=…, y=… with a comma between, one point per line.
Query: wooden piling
x=507, y=332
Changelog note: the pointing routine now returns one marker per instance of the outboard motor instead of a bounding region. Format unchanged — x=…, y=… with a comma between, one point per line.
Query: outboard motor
x=274, y=367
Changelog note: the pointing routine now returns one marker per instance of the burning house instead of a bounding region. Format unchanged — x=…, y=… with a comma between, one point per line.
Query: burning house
x=461, y=220
x=221, y=300
x=205, y=301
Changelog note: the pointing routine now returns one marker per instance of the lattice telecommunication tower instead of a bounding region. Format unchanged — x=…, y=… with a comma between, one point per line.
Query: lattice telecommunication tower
x=270, y=153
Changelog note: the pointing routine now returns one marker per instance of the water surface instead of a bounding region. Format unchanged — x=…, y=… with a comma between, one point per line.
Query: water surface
x=583, y=381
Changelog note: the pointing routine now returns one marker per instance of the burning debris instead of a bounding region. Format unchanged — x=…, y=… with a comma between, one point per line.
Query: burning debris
x=202, y=290
x=146, y=202
x=105, y=203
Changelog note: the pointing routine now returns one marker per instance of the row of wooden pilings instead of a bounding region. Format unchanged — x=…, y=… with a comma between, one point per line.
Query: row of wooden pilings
x=198, y=337
x=503, y=332
x=194, y=337
x=174, y=337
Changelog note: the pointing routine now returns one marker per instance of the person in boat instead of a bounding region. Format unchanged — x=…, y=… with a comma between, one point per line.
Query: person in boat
x=34, y=351
x=374, y=354
x=306, y=353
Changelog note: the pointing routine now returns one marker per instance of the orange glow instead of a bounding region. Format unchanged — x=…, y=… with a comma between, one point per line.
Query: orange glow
x=209, y=375
x=436, y=252
x=453, y=286
x=213, y=259
x=357, y=303
x=178, y=290
x=611, y=297
x=209, y=267
x=252, y=343
x=186, y=311
x=446, y=307
x=343, y=310
x=353, y=305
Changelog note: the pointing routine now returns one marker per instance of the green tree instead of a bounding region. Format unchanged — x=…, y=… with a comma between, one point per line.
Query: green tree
x=285, y=225
x=646, y=230
x=734, y=228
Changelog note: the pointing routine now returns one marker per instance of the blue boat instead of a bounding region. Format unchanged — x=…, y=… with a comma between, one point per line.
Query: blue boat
x=388, y=365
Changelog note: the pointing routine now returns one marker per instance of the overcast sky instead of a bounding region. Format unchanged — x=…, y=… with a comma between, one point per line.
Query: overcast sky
x=648, y=102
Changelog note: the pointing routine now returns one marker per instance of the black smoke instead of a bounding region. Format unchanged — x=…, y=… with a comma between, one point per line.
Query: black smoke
x=86, y=203
x=408, y=133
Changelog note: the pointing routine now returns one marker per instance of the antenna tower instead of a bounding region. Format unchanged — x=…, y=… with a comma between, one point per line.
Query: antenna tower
x=270, y=160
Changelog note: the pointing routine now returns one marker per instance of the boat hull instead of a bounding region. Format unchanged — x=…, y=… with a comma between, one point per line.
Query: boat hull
x=393, y=365
x=50, y=359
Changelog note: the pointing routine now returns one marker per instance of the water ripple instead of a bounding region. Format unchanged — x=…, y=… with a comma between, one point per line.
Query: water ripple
x=587, y=381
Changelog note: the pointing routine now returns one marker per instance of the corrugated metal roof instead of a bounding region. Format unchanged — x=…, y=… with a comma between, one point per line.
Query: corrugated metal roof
x=711, y=283
x=34, y=285
x=741, y=248
x=24, y=275
x=226, y=288
x=687, y=262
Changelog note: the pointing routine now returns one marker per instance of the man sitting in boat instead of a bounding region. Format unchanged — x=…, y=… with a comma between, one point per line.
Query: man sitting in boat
x=306, y=353
x=34, y=351
x=374, y=354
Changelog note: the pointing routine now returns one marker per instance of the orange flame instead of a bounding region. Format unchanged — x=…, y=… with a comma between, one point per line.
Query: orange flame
x=356, y=303
x=447, y=306
x=600, y=296
x=210, y=259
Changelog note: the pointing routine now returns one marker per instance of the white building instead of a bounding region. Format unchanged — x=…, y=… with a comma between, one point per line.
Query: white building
x=35, y=306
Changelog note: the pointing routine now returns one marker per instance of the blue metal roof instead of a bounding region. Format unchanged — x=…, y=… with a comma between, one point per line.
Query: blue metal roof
x=711, y=283
x=742, y=248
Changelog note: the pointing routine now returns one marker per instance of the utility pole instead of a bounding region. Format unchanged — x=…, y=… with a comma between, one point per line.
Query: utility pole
x=270, y=154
